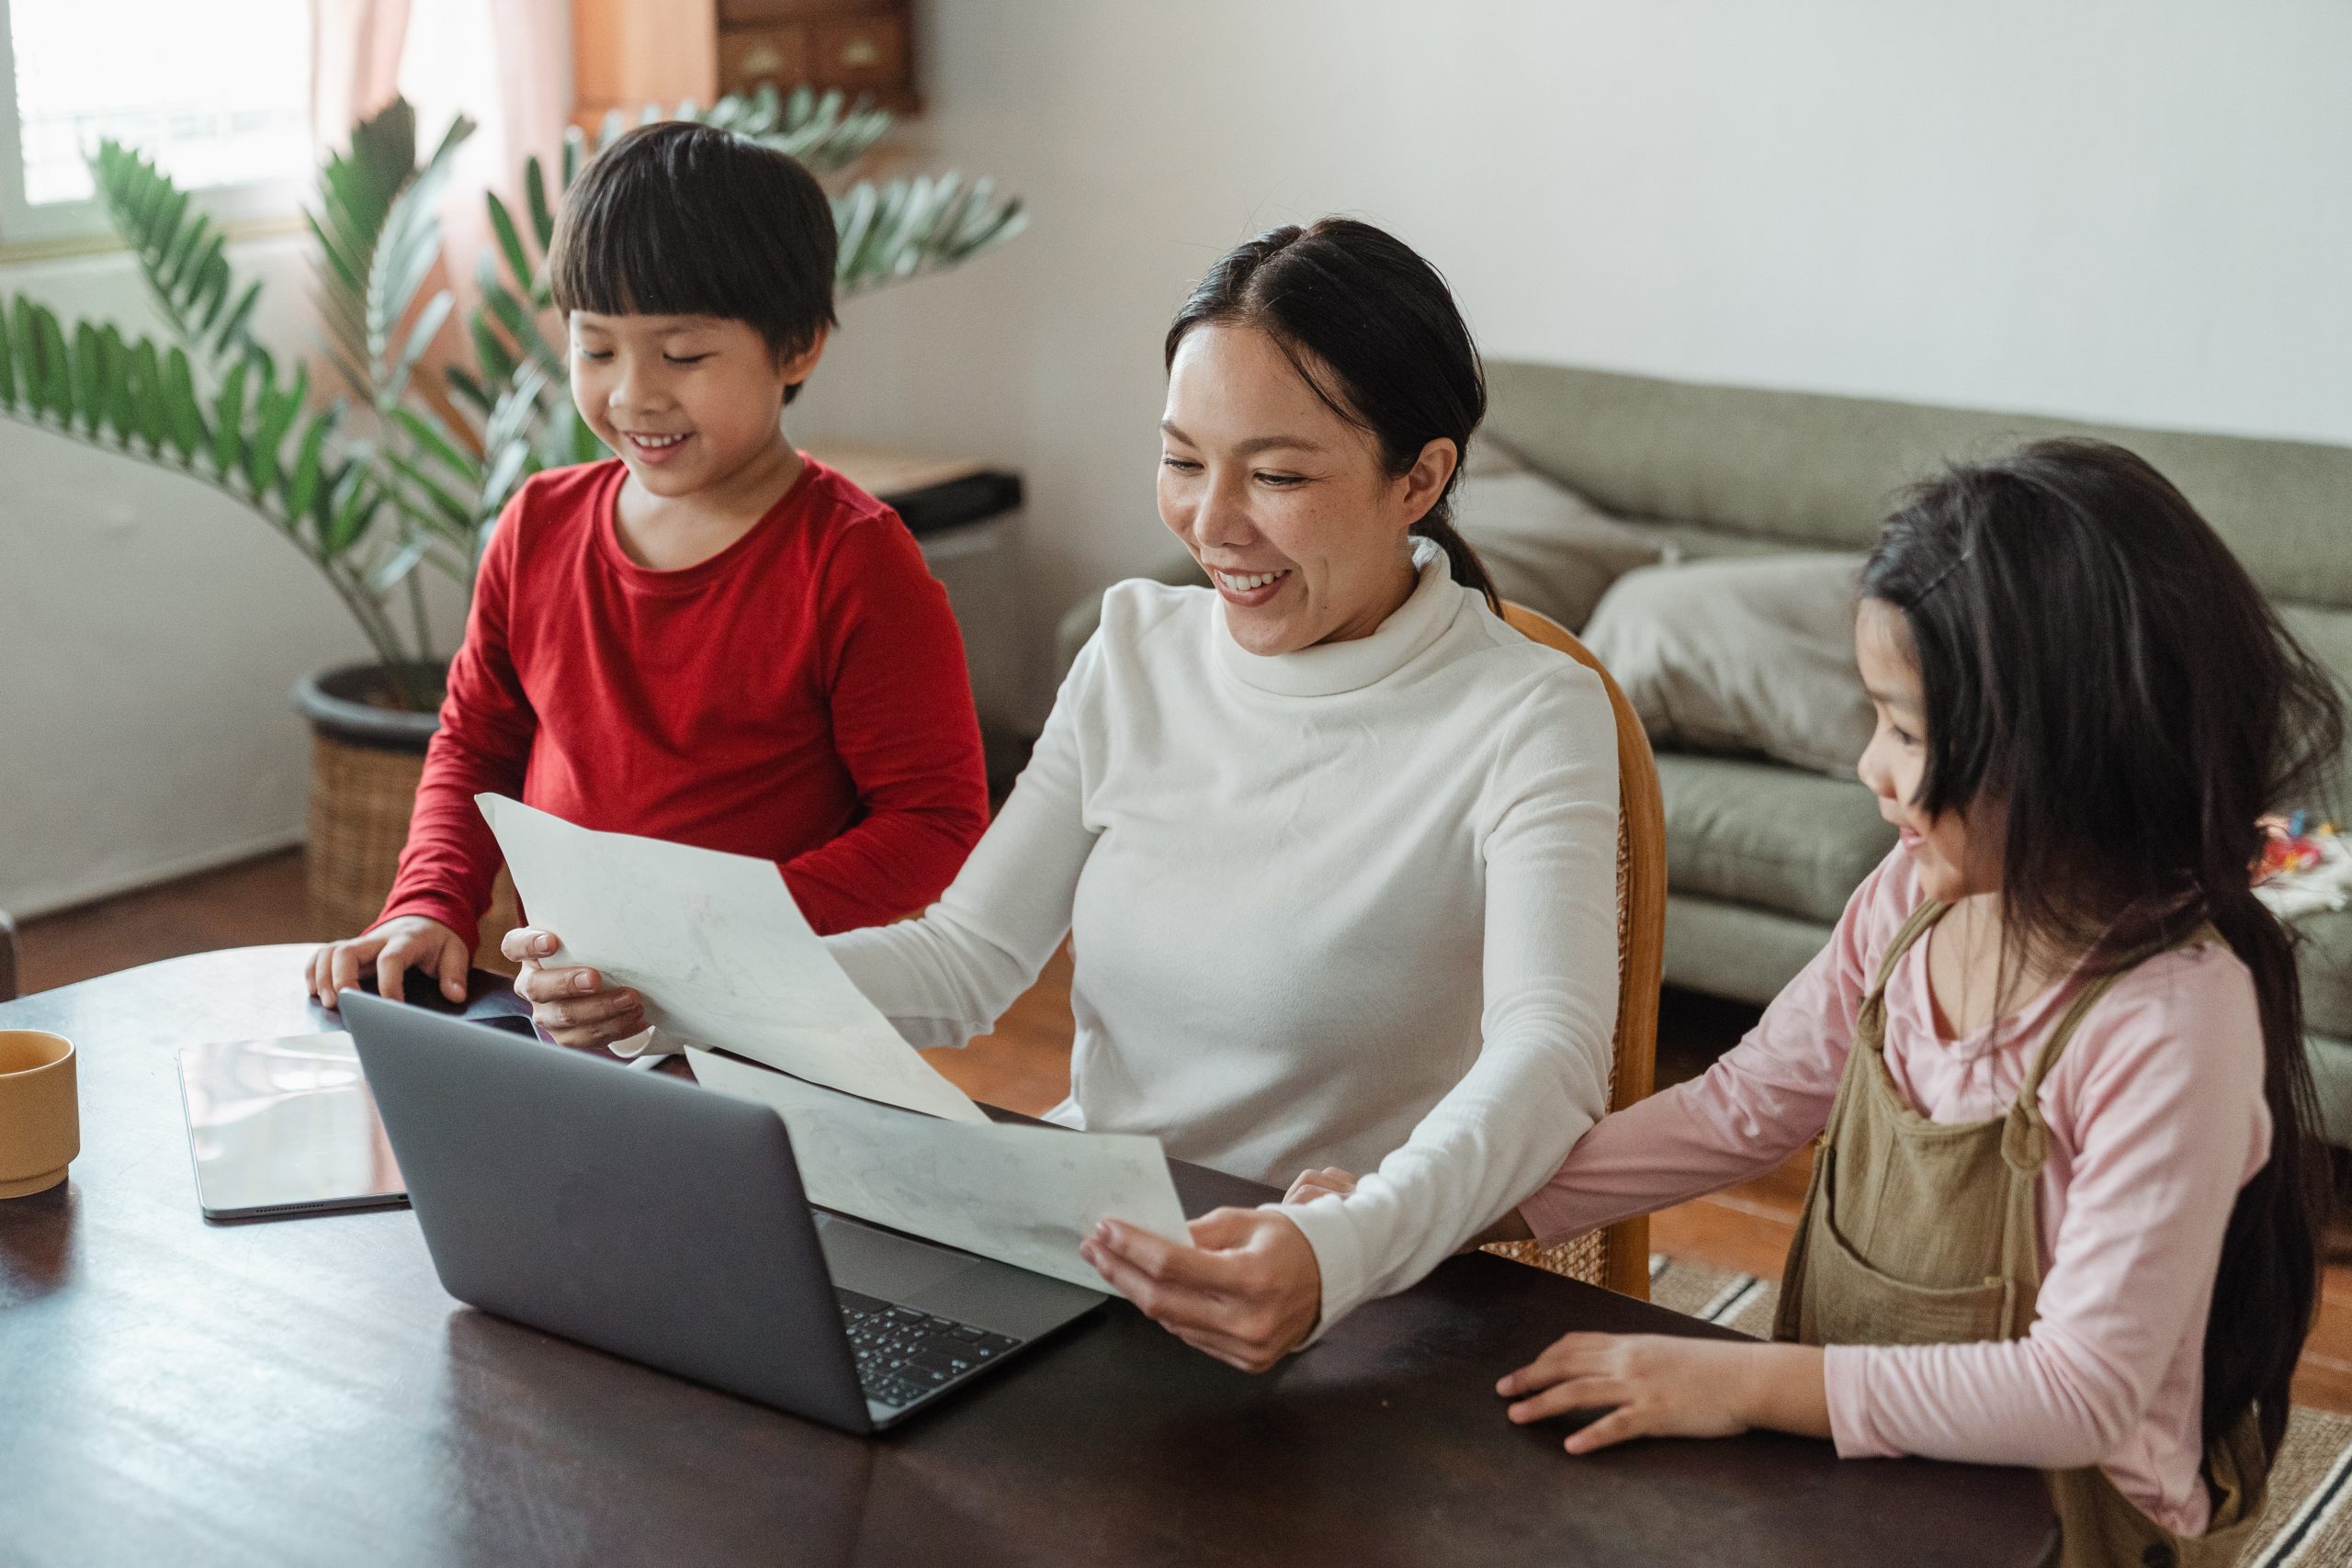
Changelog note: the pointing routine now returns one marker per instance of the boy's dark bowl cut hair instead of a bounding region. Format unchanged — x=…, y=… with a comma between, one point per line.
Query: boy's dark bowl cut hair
x=684, y=219
x=1373, y=330
x=2092, y=654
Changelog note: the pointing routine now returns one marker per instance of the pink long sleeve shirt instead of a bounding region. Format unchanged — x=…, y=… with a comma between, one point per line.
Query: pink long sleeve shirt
x=2156, y=1120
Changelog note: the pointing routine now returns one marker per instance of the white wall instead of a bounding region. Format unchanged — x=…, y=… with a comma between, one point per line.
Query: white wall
x=150, y=631
x=2133, y=211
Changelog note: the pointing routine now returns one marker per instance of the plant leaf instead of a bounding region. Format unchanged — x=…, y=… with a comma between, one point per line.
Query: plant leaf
x=275, y=411
x=535, y=192
x=146, y=375
x=303, y=487
x=354, y=510
x=430, y=434
x=57, y=365
x=229, y=421
x=393, y=573
x=420, y=338
x=89, y=392
x=183, y=420
x=510, y=241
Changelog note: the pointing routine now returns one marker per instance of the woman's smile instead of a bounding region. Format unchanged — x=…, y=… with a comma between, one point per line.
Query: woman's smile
x=1249, y=589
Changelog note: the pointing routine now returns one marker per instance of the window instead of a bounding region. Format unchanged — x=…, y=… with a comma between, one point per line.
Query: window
x=216, y=91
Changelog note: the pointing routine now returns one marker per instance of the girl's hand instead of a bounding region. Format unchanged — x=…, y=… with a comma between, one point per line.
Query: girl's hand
x=1328, y=1183
x=572, y=1004
x=1247, y=1291
x=1657, y=1385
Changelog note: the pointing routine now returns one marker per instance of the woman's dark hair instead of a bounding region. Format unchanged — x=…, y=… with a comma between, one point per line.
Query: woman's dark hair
x=684, y=219
x=1372, y=328
x=2094, y=658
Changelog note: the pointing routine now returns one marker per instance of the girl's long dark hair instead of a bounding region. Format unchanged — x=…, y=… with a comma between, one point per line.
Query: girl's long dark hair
x=2093, y=656
x=1373, y=329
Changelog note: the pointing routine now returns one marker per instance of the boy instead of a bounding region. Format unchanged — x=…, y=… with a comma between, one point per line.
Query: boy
x=708, y=638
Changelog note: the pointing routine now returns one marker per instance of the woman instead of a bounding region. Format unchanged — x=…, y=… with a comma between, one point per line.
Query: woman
x=1335, y=846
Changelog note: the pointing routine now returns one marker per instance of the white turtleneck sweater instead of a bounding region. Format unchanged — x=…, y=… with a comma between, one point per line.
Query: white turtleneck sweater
x=1351, y=906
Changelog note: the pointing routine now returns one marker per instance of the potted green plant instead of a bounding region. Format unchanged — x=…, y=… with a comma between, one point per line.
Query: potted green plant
x=408, y=468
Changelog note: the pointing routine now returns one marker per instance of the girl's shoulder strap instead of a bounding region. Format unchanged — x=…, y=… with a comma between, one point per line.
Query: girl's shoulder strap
x=1910, y=931
x=2087, y=997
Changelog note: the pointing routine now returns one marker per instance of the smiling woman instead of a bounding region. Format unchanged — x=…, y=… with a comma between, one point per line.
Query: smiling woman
x=1334, y=845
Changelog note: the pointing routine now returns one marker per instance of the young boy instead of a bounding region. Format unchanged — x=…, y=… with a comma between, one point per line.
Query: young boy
x=710, y=638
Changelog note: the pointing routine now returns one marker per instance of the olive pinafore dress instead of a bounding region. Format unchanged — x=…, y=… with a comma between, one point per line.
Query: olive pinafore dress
x=1929, y=1233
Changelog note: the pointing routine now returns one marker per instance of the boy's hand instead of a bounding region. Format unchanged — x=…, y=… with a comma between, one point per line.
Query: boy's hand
x=571, y=1003
x=409, y=941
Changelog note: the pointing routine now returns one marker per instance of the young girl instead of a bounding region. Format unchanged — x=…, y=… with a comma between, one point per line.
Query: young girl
x=2052, y=1052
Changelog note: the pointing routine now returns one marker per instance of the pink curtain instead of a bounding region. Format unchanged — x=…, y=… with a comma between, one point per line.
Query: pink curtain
x=532, y=44
x=506, y=64
x=355, y=46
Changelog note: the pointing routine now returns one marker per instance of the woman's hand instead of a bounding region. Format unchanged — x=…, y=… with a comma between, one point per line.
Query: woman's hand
x=1328, y=1183
x=573, y=1005
x=400, y=944
x=1657, y=1385
x=1247, y=1291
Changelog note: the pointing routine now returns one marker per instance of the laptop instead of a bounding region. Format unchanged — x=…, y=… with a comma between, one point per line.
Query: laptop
x=647, y=1217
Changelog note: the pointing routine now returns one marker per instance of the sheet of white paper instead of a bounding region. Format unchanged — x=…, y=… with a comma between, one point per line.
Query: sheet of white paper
x=718, y=950
x=1020, y=1195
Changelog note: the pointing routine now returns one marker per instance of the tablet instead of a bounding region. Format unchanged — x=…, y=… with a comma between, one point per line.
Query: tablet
x=285, y=1126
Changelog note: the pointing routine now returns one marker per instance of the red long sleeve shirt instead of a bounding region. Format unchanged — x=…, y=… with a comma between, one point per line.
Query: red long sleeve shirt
x=799, y=696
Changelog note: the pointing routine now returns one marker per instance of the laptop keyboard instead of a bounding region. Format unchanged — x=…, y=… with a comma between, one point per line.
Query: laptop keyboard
x=904, y=1354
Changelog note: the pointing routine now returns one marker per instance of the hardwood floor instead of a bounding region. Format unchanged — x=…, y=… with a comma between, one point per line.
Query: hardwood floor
x=246, y=905
x=1025, y=1065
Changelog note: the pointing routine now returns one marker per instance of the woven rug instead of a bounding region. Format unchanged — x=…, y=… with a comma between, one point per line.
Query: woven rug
x=2308, y=1523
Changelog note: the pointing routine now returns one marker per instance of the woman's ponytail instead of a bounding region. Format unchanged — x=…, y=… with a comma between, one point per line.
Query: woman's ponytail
x=1461, y=559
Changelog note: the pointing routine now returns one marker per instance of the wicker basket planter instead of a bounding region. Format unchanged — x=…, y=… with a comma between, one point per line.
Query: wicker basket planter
x=366, y=757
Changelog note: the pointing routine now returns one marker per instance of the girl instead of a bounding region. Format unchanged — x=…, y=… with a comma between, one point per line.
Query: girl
x=2052, y=1051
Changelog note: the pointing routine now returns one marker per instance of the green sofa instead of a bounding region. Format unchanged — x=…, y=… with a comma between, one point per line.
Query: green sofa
x=1761, y=856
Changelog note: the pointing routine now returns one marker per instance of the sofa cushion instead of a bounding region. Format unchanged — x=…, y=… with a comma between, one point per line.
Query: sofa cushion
x=1758, y=833
x=2326, y=635
x=1822, y=470
x=1546, y=546
x=1736, y=654
x=2323, y=963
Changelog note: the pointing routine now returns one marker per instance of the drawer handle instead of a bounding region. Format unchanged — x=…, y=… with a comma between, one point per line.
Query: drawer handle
x=764, y=60
x=861, y=52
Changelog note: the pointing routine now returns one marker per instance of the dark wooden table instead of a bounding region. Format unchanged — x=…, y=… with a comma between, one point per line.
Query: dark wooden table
x=302, y=1392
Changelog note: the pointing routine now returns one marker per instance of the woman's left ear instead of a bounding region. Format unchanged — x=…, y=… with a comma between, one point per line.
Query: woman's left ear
x=1427, y=479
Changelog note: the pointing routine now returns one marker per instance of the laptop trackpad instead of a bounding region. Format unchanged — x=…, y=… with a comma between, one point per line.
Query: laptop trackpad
x=994, y=1296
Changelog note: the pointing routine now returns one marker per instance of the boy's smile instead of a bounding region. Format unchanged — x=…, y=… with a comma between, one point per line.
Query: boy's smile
x=693, y=404
x=646, y=448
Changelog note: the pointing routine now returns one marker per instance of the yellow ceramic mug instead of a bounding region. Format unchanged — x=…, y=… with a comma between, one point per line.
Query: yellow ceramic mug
x=40, y=1121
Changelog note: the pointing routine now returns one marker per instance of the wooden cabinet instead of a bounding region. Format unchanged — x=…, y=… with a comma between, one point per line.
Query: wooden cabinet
x=630, y=52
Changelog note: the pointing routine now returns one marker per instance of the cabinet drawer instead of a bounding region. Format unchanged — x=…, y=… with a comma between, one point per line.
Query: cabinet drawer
x=861, y=52
x=751, y=57
x=758, y=13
